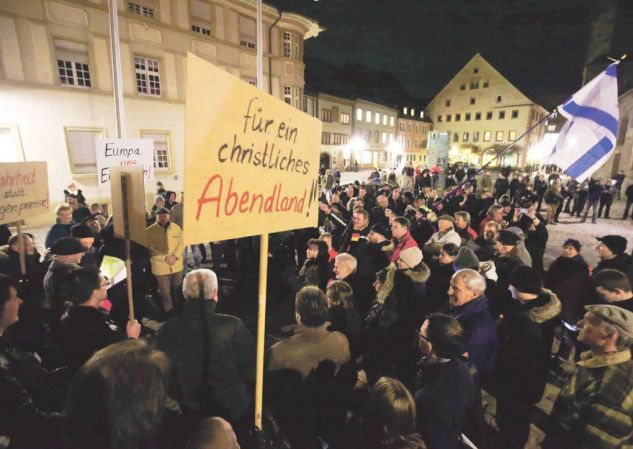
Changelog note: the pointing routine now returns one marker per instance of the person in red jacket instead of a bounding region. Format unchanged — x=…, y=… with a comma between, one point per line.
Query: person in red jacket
x=402, y=237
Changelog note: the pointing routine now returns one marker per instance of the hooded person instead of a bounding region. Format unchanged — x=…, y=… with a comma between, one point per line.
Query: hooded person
x=526, y=333
x=568, y=278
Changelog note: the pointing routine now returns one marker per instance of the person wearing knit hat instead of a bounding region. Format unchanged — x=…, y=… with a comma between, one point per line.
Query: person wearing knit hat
x=466, y=258
x=575, y=244
x=522, y=251
x=507, y=257
x=526, y=333
x=508, y=238
x=67, y=254
x=381, y=229
x=594, y=408
x=86, y=237
x=67, y=246
x=409, y=258
x=611, y=251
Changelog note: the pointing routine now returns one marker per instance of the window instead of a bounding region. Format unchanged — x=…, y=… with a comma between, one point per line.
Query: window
x=377, y=118
x=499, y=99
x=72, y=64
x=502, y=115
x=472, y=100
x=412, y=112
x=408, y=141
x=512, y=135
x=390, y=137
x=415, y=143
x=326, y=115
x=405, y=110
x=391, y=121
x=287, y=44
x=477, y=115
x=253, y=82
x=499, y=136
x=344, y=118
x=147, y=76
x=368, y=116
x=488, y=115
x=384, y=137
x=288, y=94
x=359, y=115
x=449, y=117
x=82, y=151
x=475, y=136
x=467, y=116
x=402, y=126
x=515, y=113
x=474, y=84
x=458, y=117
x=201, y=17
x=161, y=148
x=465, y=137
x=448, y=103
x=345, y=139
x=439, y=118
x=142, y=8
x=337, y=138
x=455, y=137
x=476, y=70
x=375, y=136
x=462, y=87
x=409, y=127
x=326, y=138
x=487, y=135
x=486, y=84
x=384, y=119
x=248, y=37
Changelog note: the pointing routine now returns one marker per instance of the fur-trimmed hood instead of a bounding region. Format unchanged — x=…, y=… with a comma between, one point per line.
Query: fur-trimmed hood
x=419, y=274
x=547, y=311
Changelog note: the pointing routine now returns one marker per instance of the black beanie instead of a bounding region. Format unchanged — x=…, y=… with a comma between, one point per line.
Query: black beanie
x=526, y=280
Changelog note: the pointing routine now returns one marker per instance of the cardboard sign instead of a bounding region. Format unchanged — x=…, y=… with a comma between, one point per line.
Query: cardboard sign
x=135, y=201
x=23, y=190
x=124, y=153
x=251, y=160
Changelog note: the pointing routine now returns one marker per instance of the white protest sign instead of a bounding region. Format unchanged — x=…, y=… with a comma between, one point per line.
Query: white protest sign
x=124, y=153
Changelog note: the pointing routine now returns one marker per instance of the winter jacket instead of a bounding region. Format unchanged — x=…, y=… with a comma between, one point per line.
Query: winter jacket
x=82, y=332
x=525, y=334
x=445, y=399
x=400, y=245
x=231, y=357
x=480, y=335
x=568, y=278
x=56, y=232
x=163, y=242
x=449, y=236
x=623, y=263
x=308, y=347
x=594, y=409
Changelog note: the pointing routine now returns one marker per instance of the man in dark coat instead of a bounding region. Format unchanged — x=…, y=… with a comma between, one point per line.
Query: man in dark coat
x=611, y=251
x=568, y=278
x=85, y=328
x=526, y=333
x=629, y=200
x=375, y=255
x=200, y=335
x=469, y=306
x=447, y=397
x=614, y=288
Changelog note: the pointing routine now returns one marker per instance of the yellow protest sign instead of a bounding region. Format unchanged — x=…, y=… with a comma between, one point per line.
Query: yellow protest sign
x=251, y=160
x=23, y=190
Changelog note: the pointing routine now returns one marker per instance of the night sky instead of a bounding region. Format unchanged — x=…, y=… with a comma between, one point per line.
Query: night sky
x=539, y=45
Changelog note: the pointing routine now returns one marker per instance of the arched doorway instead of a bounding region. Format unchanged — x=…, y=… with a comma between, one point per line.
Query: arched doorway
x=325, y=161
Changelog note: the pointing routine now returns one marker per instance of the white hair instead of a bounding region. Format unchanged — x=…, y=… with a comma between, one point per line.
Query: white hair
x=191, y=284
x=473, y=280
x=347, y=259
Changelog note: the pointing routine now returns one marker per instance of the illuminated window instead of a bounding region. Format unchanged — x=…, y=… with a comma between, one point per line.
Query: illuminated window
x=384, y=119
x=345, y=118
x=82, y=150
x=512, y=135
x=288, y=94
x=475, y=136
x=147, y=73
x=487, y=136
x=72, y=64
x=499, y=136
x=377, y=118
x=465, y=137
x=359, y=114
x=391, y=121
x=368, y=116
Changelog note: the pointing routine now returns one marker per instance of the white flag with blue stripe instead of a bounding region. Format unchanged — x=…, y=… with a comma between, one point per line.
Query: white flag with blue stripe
x=587, y=140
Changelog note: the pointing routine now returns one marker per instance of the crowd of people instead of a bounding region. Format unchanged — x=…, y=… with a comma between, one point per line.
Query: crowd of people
x=407, y=302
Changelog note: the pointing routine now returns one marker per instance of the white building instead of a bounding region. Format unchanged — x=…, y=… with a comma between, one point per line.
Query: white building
x=56, y=82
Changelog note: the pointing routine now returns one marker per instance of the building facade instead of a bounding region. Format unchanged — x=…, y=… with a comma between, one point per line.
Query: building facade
x=56, y=82
x=373, y=143
x=622, y=158
x=336, y=115
x=412, y=136
x=484, y=112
